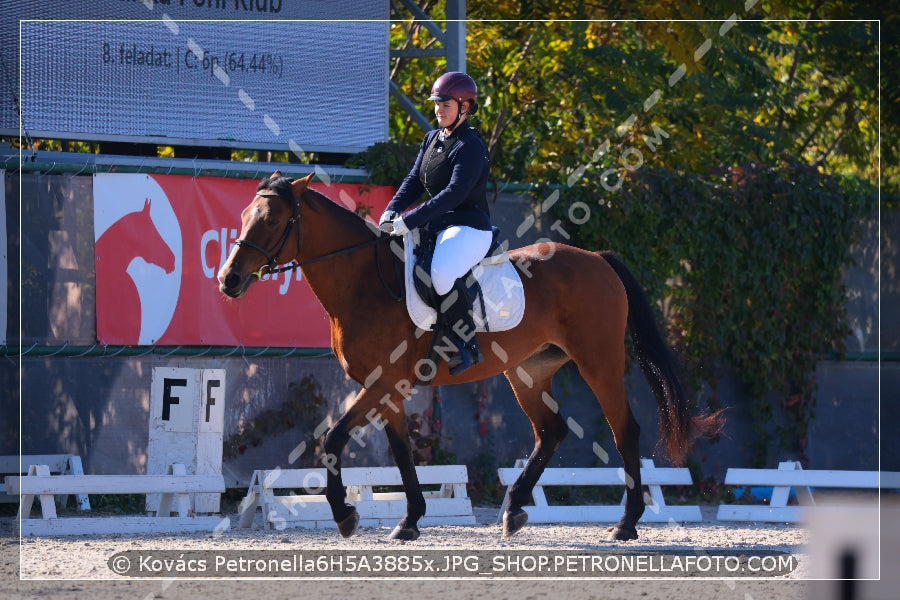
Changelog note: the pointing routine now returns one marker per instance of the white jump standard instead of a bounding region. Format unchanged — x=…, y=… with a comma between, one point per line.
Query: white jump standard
x=449, y=505
x=175, y=491
x=651, y=476
x=790, y=474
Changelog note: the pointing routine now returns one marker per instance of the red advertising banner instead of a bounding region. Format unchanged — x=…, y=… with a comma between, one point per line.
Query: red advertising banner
x=159, y=243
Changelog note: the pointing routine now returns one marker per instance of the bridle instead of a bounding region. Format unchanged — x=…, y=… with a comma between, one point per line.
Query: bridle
x=272, y=256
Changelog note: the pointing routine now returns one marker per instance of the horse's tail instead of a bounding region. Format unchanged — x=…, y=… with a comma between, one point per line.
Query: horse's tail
x=677, y=428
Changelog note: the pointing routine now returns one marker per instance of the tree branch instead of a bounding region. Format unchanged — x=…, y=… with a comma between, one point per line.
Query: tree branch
x=782, y=113
x=842, y=99
x=502, y=120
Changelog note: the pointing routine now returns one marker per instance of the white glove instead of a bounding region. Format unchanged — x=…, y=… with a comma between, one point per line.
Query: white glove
x=387, y=218
x=400, y=227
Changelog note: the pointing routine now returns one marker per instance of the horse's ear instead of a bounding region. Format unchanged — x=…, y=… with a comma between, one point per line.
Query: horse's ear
x=146, y=205
x=276, y=174
x=298, y=186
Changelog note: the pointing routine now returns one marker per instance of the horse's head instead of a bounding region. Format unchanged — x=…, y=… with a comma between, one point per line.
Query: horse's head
x=270, y=233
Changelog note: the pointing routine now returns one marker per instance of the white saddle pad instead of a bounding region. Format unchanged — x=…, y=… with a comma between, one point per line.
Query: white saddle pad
x=504, y=296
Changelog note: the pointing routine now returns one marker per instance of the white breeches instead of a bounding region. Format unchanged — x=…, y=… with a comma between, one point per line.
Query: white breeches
x=458, y=249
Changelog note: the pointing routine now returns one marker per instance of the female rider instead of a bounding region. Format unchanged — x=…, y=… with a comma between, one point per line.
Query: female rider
x=452, y=169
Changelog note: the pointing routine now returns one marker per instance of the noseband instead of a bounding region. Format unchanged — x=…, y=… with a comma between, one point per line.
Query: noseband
x=272, y=256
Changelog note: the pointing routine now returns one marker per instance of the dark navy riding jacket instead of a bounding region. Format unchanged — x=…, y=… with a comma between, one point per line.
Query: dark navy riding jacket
x=453, y=171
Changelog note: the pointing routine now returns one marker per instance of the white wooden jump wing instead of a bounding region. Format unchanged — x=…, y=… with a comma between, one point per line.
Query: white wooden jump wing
x=449, y=505
x=790, y=474
x=174, y=487
x=651, y=476
x=58, y=464
x=117, y=484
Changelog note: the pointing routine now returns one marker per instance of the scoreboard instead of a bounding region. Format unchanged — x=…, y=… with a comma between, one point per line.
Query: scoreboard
x=306, y=75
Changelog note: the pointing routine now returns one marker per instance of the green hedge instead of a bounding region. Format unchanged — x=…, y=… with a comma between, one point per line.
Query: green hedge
x=747, y=265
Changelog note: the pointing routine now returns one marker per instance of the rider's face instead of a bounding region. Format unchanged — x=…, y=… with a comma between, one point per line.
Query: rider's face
x=446, y=112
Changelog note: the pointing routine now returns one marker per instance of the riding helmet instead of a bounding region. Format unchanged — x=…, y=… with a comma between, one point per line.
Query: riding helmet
x=454, y=85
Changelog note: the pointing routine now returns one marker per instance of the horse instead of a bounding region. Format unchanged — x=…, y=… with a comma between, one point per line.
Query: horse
x=578, y=306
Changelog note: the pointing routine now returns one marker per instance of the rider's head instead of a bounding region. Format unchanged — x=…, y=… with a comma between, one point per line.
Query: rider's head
x=458, y=87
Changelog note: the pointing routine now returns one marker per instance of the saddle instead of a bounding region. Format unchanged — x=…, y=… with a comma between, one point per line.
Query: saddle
x=494, y=284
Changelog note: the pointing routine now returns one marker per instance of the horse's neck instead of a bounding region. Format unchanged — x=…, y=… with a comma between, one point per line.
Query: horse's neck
x=325, y=228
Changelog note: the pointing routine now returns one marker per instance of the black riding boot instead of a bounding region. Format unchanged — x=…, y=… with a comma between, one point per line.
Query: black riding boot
x=456, y=318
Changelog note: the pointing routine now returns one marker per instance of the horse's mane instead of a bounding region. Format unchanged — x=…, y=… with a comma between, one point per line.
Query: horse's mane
x=320, y=202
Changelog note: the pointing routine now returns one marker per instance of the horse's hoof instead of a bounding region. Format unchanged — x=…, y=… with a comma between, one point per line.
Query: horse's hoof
x=348, y=526
x=405, y=534
x=514, y=521
x=622, y=534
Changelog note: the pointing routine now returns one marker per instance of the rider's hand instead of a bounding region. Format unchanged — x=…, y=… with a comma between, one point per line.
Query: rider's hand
x=386, y=222
x=400, y=227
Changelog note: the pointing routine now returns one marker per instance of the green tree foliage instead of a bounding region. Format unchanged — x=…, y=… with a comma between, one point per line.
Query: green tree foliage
x=799, y=85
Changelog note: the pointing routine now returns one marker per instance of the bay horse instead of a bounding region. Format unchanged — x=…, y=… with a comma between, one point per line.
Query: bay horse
x=577, y=306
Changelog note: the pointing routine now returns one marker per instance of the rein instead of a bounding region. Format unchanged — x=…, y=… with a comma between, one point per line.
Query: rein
x=296, y=265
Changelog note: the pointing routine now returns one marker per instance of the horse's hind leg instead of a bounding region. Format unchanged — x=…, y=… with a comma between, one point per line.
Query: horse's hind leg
x=531, y=383
x=605, y=376
x=626, y=432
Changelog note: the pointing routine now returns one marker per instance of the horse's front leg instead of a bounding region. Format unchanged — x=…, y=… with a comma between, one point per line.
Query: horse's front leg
x=345, y=514
x=378, y=408
x=398, y=437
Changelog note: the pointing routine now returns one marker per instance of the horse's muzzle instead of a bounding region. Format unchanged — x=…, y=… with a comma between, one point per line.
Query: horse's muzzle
x=233, y=285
